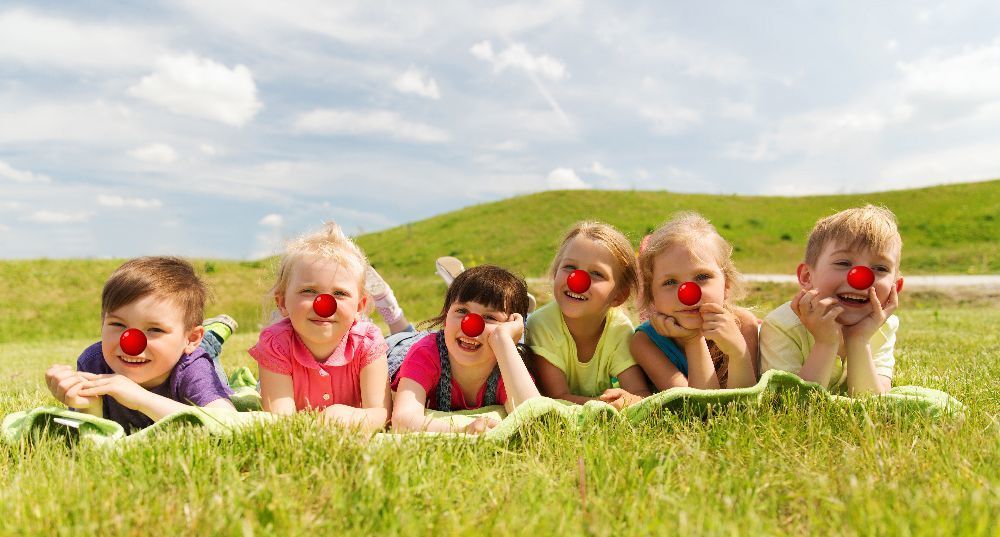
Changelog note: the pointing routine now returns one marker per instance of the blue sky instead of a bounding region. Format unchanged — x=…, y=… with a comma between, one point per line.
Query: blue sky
x=215, y=129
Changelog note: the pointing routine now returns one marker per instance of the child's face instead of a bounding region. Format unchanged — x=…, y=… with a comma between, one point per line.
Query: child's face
x=829, y=277
x=467, y=350
x=162, y=320
x=311, y=277
x=679, y=264
x=585, y=254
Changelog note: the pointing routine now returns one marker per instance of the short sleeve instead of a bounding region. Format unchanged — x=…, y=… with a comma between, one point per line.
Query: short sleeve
x=374, y=346
x=273, y=350
x=199, y=384
x=545, y=340
x=620, y=357
x=779, y=349
x=91, y=360
x=883, y=346
x=423, y=365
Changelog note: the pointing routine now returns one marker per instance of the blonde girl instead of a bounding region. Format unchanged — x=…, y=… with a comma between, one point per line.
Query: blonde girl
x=705, y=344
x=312, y=359
x=582, y=337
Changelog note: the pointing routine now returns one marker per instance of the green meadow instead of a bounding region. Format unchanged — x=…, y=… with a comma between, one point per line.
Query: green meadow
x=788, y=469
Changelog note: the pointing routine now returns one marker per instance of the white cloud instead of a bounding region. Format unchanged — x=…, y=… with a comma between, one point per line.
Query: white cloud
x=199, y=87
x=517, y=56
x=4, y=229
x=155, y=154
x=564, y=179
x=670, y=119
x=736, y=110
x=598, y=169
x=961, y=163
x=20, y=176
x=374, y=122
x=973, y=74
x=137, y=203
x=415, y=81
x=508, y=145
x=52, y=217
x=209, y=150
x=39, y=41
x=272, y=220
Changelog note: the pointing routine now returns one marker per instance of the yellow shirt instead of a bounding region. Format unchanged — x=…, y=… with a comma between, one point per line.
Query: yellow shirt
x=785, y=344
x=549, y=337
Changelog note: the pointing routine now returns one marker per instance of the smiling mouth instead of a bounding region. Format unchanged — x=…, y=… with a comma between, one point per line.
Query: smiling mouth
x=575, y=296
x=468, y=344
x=853, y=299
x=690, y=311
x=133, y=361
x=321, y=321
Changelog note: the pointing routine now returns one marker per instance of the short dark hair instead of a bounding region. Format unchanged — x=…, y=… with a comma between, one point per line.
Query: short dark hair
x=489, y=285
x=169, y=277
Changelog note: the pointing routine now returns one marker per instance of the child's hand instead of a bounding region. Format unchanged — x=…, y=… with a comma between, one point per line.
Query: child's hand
x=865, y=328
x=120, y=387
x=65, y=383
x=619, y=398
x=512, y=329
x=668, y=326
x=818, y=316
x=719, y=325
x=480, y=425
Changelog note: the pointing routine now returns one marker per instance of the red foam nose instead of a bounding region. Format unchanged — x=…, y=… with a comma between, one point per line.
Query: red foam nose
x=578, y=281
x=133, y=342
x=689, y=293
x=899, y=285
x=860, y=277
x=325, y=305
x=473, y=324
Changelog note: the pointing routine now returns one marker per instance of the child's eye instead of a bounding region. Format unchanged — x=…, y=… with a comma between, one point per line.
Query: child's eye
x=569, y=267
x=842, y=263
x=670, y=282
x=703, y=277
x=461, y=311
x=308, y=291
x=596, y=275
x=157, y=330
x=491, y=318
x=341, y=293
x=880, y=268
x=116, y=324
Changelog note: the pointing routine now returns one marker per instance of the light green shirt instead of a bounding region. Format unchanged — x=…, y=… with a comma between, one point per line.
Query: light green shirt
x=549, y=337
x=785, y=344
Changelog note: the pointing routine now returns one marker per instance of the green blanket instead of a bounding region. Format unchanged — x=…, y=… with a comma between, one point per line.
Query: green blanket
x=774, y=386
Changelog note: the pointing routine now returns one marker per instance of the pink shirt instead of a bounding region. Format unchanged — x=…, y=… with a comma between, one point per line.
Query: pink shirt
x=337, y=380
x=423, y=365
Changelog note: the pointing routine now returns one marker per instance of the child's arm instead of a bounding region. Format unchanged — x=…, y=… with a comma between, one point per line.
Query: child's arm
x=720, y=325
x=516, y=380
x=660, y=370
x=861, y=375
x=820, y=319
x=555, y=385
x=277, y=394
x=65, y=384
x=130, y=395
x=375, y=400
x=408, y=413
x=634, y=388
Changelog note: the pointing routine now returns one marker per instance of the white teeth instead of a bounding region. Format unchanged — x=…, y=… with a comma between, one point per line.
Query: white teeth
x=854, y=297
x=571, y=294
x=134, y=360
x=469, y=344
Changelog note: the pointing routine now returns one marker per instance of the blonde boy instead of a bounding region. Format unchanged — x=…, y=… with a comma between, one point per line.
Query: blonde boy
x=830, y=332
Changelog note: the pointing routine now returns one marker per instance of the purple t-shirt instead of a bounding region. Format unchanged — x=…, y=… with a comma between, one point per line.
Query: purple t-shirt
x=193, y=382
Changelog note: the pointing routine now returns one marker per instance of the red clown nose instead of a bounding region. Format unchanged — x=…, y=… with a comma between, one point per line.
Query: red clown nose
x=860, y=277
x=578, y=281
x=473, y=324
x=689, y=293
x=325, y=305
x=133, y=342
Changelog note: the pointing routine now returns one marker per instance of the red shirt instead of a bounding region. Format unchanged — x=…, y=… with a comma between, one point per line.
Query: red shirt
x=423, y=365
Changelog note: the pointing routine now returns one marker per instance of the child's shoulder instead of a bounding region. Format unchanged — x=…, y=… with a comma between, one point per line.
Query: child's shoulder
x=783, y=316
x=91, y=360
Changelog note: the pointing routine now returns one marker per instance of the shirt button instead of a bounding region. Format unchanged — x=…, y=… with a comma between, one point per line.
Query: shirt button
x=322, y=373
x=326, y=397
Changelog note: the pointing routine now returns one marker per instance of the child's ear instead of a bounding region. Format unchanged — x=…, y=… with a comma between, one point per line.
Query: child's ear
x=362, y=303
x=194, y=339
x=620, y=298
x=279, y=301
x=804, y=273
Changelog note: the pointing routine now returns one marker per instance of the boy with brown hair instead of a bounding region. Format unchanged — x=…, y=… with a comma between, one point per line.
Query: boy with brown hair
x=159, y=301
x=839, y=330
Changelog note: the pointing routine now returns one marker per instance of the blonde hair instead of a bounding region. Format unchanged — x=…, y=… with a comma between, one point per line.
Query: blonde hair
x=616, y=243
x=171, y=278
x=688, y=229
x=870, y=227
x=327, y=243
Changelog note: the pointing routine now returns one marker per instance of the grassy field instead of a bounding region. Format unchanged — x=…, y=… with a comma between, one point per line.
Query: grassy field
x=814, y=468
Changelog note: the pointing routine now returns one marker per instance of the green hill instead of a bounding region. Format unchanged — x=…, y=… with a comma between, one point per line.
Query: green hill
x=946, y=230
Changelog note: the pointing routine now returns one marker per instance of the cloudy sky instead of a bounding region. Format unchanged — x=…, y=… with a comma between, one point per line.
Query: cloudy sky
x=215, y=128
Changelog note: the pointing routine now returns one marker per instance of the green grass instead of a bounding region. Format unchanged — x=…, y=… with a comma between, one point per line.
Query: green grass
x=815, y=468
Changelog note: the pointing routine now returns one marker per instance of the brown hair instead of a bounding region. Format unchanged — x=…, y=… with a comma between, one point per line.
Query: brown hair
x=489, y=285
x=688, y=229
x=169, y=277
x=870, y=227
x=616, y=243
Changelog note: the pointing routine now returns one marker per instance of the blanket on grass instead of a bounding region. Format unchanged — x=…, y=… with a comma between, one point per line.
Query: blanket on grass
x=774, y=387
